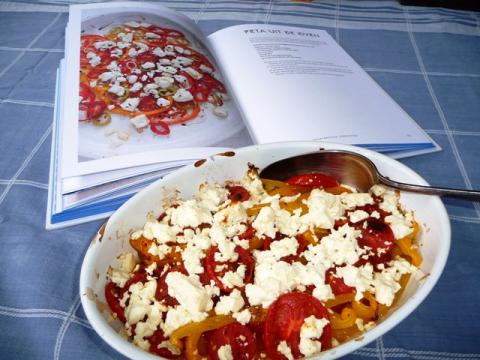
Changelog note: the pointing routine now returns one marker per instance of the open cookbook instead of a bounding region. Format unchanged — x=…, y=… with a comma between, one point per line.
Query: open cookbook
x=142, y=92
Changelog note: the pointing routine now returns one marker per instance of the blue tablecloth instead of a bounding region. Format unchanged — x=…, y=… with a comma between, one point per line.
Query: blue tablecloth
x=427, y=59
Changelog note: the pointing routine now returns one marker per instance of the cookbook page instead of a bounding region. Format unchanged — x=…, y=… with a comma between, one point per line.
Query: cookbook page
x=142, y=89
x=298, y=84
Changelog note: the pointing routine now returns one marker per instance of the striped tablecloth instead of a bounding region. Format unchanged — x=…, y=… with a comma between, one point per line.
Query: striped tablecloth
x=427, y=59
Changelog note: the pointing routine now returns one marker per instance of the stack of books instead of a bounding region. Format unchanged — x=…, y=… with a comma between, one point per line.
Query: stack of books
x=141, y=92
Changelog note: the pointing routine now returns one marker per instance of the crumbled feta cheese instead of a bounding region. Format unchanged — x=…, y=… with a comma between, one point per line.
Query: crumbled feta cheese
x=243, y=317
x=130, y=104
x=141, y=47
x=189, y=293
x=264, y=224
x=133, y=24
x=117, y=90
x=140, y=121
x=182, y=95
x=151, y=89
x=234, y=278
x=148, y=65
x=323, y=209
x=159, y=52
x=400, y=225
x=136, y=87
x=163, y=81
x=311, y=329
x=193, y=73
x=285, y=350
x=126, y=37
x=132, y=79
x=94, y=61
x=164, y=62
x=132, y=52
x=162, y=102
x=358, y=215
x=220, y=112
x=231, y=303
x=107, y=76
x=150, y=35
x=224, y=352
x=206, y=69
x=104, y=45
x=116, y=52
x=181, y=79
x=169, y=70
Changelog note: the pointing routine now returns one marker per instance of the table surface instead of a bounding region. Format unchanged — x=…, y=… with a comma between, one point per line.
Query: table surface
x=427, y=59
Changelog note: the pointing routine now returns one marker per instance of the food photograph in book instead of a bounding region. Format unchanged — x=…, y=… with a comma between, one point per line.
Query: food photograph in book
x=147, y=84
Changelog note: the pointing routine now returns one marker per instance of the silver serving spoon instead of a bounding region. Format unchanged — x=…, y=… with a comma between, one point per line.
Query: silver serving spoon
x=351, y=169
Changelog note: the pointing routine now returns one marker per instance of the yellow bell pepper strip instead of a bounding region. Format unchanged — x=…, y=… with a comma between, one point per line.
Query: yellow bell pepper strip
x=255, y=209
x=346, y=334
x=340, y=299
x=410, y=249
x=382, y=310
x=274, y=187
x=196, y=329
x=343, y=320
x=191, y=347
x=255, y=243
x=365, y=312
x=337, y=190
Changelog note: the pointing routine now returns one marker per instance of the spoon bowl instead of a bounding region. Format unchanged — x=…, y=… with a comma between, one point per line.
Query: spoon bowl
x=352, y=169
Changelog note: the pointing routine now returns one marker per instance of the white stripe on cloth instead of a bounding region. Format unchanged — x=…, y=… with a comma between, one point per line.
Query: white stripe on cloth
x=413, y=72
x=466, y=219
x=35, y=184
x=26, y=102
x=35, y=39
x=41, y=313
x=453, y=132
x=63, y=329
x=8, y=48
x=25, y=163
x=416, y=354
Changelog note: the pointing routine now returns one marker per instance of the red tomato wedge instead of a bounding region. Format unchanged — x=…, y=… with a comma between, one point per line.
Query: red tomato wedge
x=313, y=180
x=215, y=274
x=112, y=295
x=284, y=321
x=238, y=336
x=238, y=194
x=156, y=339
x=336, y=283
x=377, y=235
x=161, y=293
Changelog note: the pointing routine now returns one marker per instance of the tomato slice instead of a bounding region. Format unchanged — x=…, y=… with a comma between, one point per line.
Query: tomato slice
x=95, y=109
x=238, y=336
x=146, y=57
x=112, y=295
x=86, y=93
x=156, y=339
x=161, y=293
x=238, y=193
x=160, y=128
x=139, y=276
x=378, y=236
x=213, y=83
x=147, y=103
x=313, y=180
x=284, y=321
x=336, y=283
x=211, y=264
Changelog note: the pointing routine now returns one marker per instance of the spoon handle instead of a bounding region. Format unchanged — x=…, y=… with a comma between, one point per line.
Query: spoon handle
x=431, y=190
